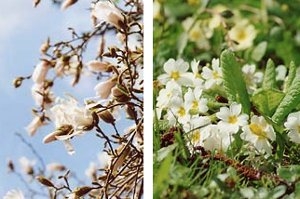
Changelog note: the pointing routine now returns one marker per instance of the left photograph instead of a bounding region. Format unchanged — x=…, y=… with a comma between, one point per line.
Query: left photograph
x=71, y=81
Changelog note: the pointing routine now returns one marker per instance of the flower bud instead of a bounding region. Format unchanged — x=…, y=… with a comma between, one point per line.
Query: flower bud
x=107, y=117
x=97, y=66
x=67, y=3
x=18, y=82
x=44, y=181
x=120, y=95
x=45, y=46
x=81, y=191
x=36, y=3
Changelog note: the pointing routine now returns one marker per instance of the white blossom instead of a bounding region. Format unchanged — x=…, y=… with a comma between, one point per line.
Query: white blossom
x=14, y=194
x=97, y=66
x=232, y=118
x=212, y=76
x=252, y=78
x=194, y=102
x=34, y=125
x=108, y=12
x=103, y=89
x=40, y=72
x=176, y=70
x=258, y=133
x=27, y=165
x=293, y=126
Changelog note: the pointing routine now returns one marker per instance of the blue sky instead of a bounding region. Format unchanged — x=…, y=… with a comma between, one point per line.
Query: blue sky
x=23, y=30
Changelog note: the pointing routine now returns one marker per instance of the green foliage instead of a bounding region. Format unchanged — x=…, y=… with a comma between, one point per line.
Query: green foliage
x=234, y=83
x=269, y=80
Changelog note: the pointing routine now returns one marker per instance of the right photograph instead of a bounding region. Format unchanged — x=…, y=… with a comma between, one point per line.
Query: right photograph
x=226, y=99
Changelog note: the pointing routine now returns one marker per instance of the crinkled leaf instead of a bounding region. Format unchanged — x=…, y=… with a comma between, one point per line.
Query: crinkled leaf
x=234, y=83
x=278, y=191
x=267, y=100
x=291, y=75
x=259, y=51
x=164, y=152
x=269, y=80
x=290, y=100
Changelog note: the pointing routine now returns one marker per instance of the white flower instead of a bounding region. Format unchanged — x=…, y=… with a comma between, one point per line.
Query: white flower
x=243, y=33
x=218, y=139
x=252, y=78
x=259, y=132
x=91, y=171
x=104, y=159
x=194, y=102
x=40, y=72
x=232, y=118
x=195, y=130
x=293, y=126
x=55, y=167
x=178, y=112
x=197, y=80
x=97, y=66
x=34, y=125
x=14, y=194
x=27, y=165
x=281, y=72
x=69, y=120
x=108, y=12
x=212, y=76
x=103, y=89
x=176, y=70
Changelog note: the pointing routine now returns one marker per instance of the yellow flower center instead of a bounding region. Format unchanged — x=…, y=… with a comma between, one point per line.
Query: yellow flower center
x=241, y=35
x=195, y=104
x=195, y=137
x=257, y=130
x=175, y=75
x=215, y=75
x=193, y=2
x=181, y=112
x=195, y=34
x=232, y=119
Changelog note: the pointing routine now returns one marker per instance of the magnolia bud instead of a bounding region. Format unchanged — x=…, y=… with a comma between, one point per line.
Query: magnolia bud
x=120, y=95
x=97, y=66
x=107, y=117
x=36, y=3
x=45, y=46
x=18, y=82
x=67, y=3
x=44, y=181
x=81, y=191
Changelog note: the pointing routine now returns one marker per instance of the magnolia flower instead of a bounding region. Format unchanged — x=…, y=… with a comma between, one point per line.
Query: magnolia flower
x=231, y=119
x=66, y=66
x=108, y=12
x=104, y=159
x=41, y=95
x=91, y=171
x=259, y=132
x=14, y=194
x=40, y=72
x=252, y=78
x=34, y=125
x=176, y=70
x=242, y=33
x=218, y=139
x=212, y=76
x=103, y=89
x=55, y=167
x=69, y=120
x=281, y=72
x=293, y=126
x=194, y=102
x=97, y=66
x=27, y=165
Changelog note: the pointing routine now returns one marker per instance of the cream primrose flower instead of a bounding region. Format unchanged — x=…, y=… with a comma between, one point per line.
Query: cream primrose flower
x=198, y=32
x=281, y=72
x=27, y=165
x=252, y=78
x=217, y=139
x=197, y=80
x=14, y=194
x=194, y=102
x=232, y=118
x=103, y=89
x=216, y=19
x=258, y=133
x=293, y=126
x=178, y=112
x=40, y=72
x=108, y=12
x=166, y=96
x=212, y=76
x=34, y=125
x=243, y=33
x=70, y=120
x=176, y=70
x=195, y=131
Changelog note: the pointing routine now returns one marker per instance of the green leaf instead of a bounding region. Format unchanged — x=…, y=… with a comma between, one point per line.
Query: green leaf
x=267, y=100
x=269, y=80
x=162, y=176
x=291, y=75
x=234, y=82
x=290, y=100
x=164, y=152
x=259, y=51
